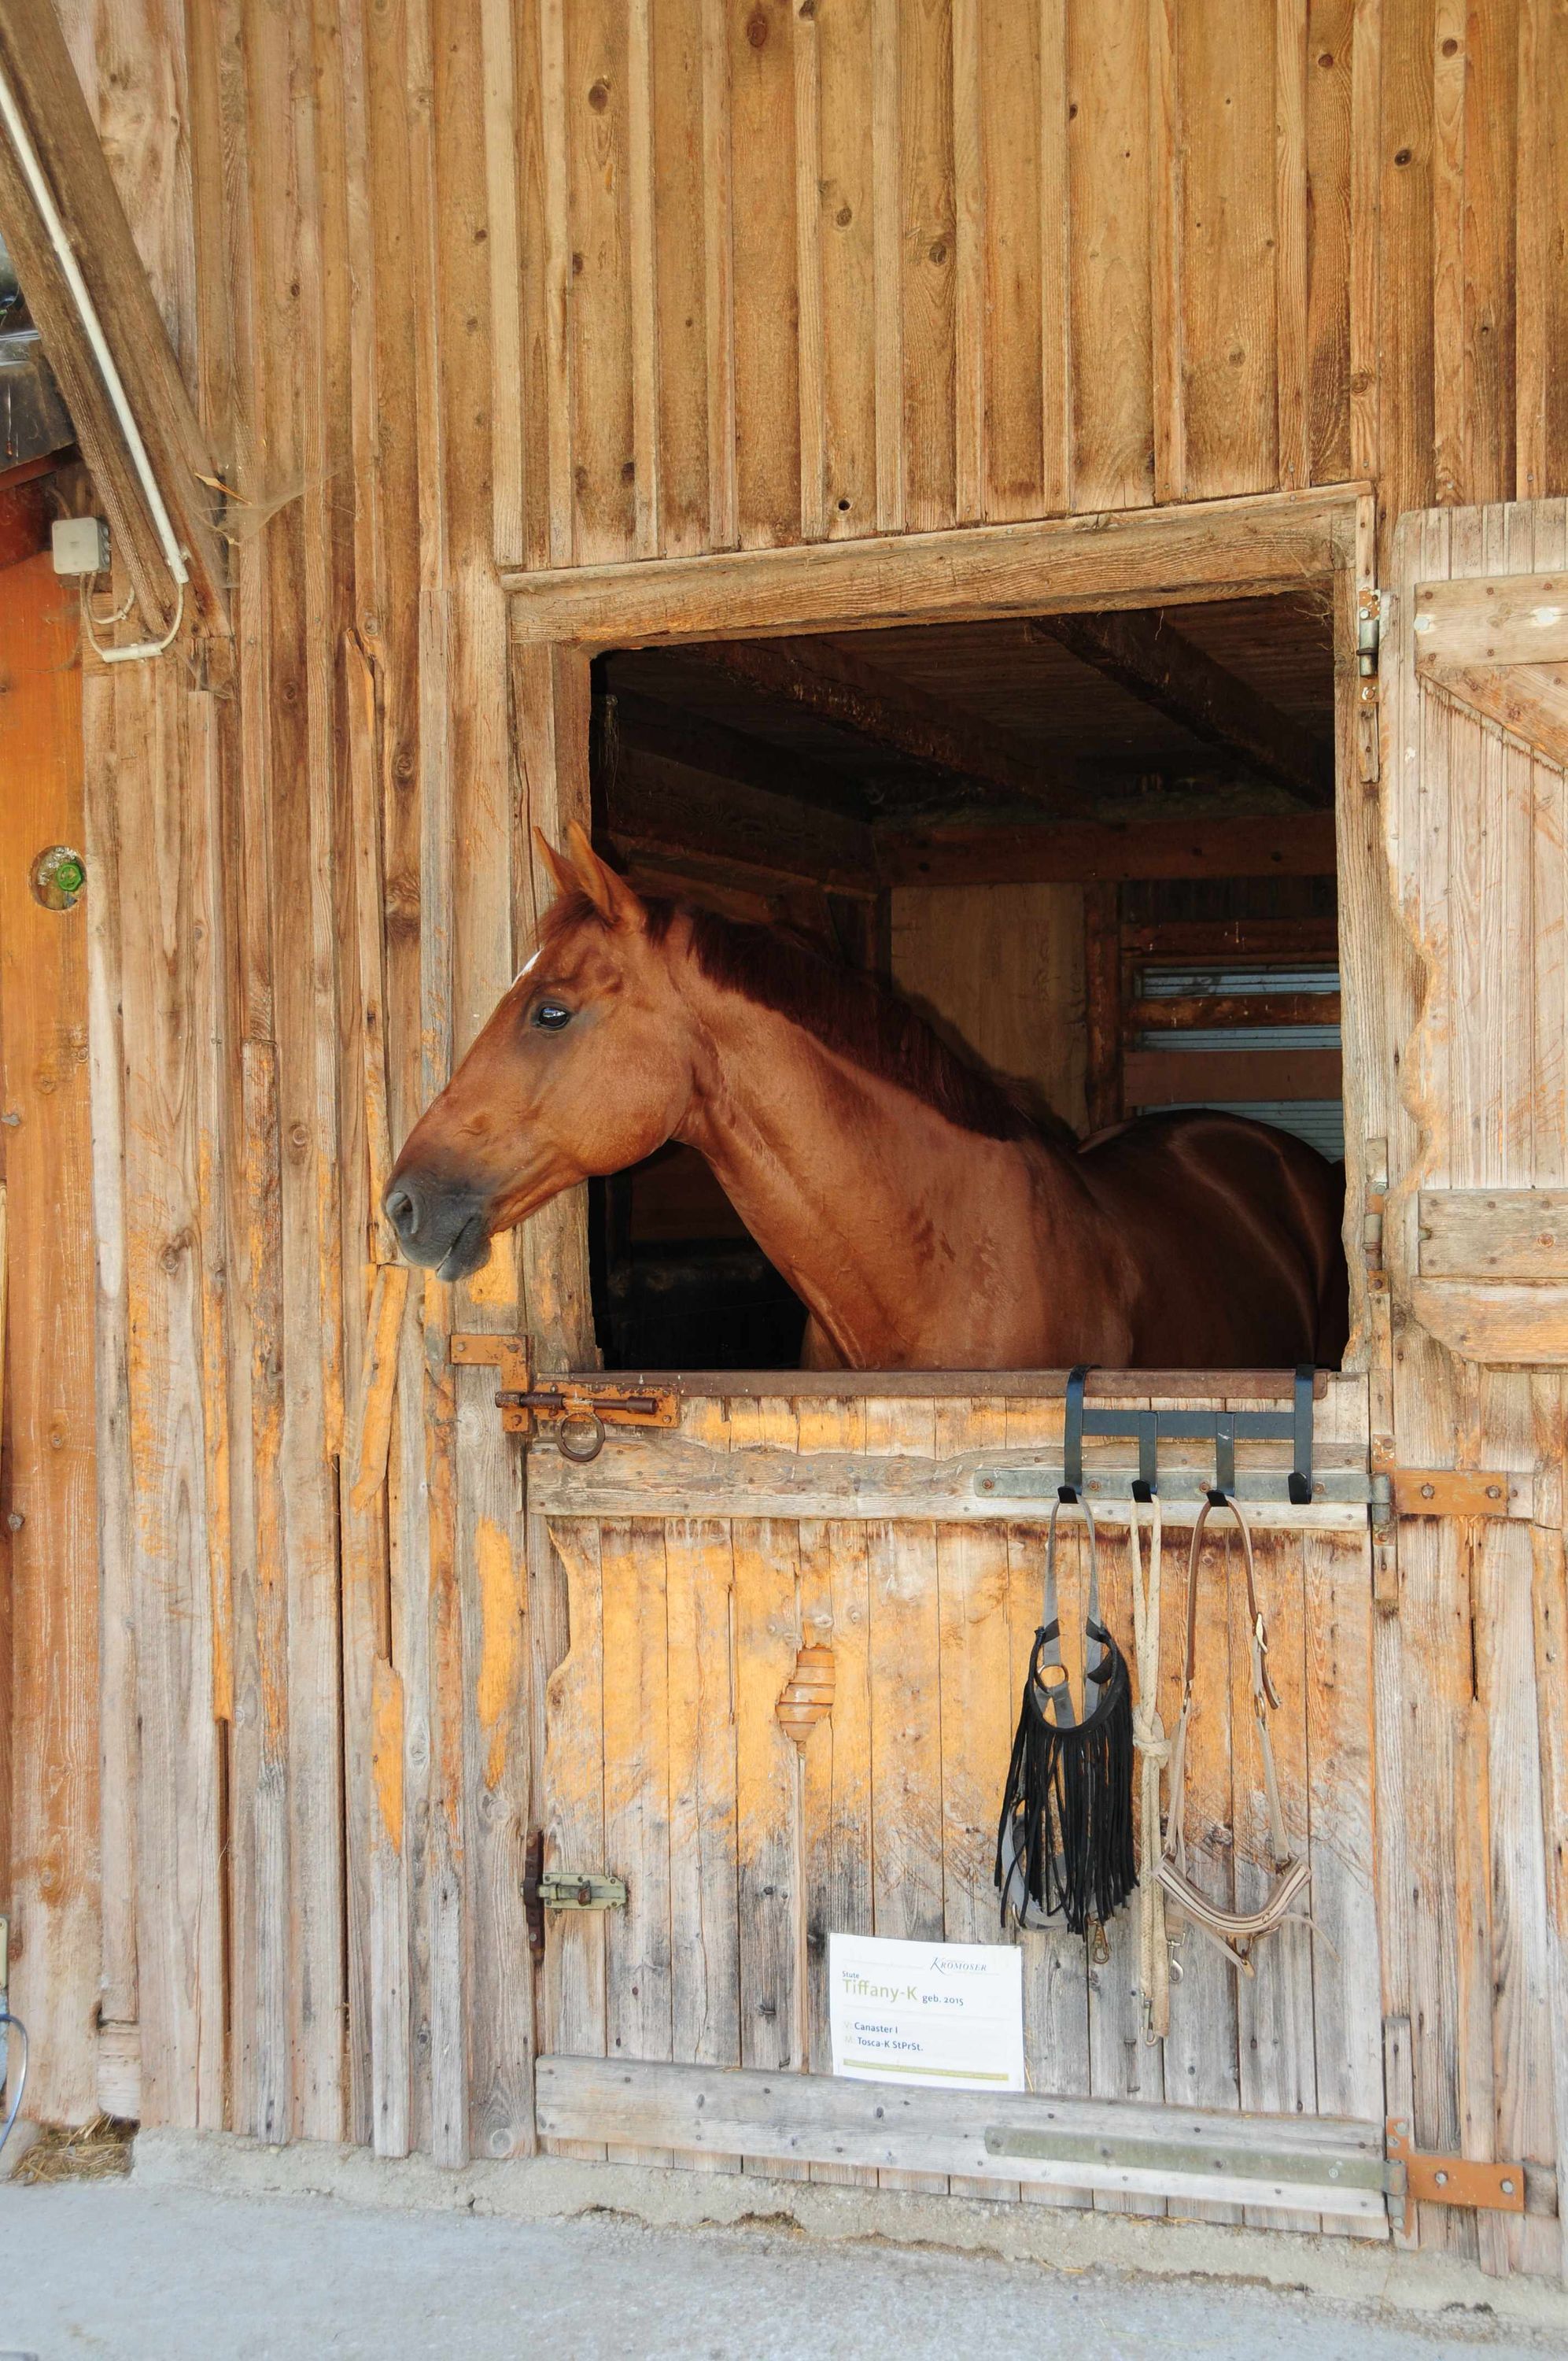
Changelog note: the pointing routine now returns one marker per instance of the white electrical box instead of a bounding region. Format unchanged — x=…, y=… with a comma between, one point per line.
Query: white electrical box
x=81, y=546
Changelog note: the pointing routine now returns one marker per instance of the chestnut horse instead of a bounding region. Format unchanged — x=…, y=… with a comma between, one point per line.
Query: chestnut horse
x=923, y=1217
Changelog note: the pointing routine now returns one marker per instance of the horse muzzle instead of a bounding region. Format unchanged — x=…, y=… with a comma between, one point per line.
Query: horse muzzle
x=440, y=1227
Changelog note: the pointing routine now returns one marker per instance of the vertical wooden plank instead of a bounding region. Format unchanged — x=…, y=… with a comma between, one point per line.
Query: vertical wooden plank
x=1103, y=1004
x=906, y=1736
x=1023, y=132
x=1291, y=74
x=1490, y=38
x=1167, y=317
x=835, y=1787
x=680, y=262
x=928, y=252
x=1229, y=260
x=600, y=303
x=1108, y=72
x=1367, y=236
x=1123, y=2064
x=556, y=140
x=1540, y=241
x=775, y=2003
x=106, y=1052
x=850, y=267
x=1399, y=353
x=1549, y=1592
x=719, y=262
x=1450, y=74
x=808, y=227
x=49, y=1415
x=1201, y=2060
x=646, y=297
x=1056, y=264
x=1273, y=2004
x=1330, y=258
x=977, y=1703
x=510, y=142
x=178, y=1942
x=968, y=266
x=389, y=2064
x=576, y=2020
x=887, y=135
x=704, y=1980
x=765, y=289
x=636, y=1798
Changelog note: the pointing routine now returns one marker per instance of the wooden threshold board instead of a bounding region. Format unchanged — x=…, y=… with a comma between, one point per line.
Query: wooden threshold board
x=1317, y=2164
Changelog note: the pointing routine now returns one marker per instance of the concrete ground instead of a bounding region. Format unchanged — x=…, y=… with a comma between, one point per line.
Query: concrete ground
x=151, y=2273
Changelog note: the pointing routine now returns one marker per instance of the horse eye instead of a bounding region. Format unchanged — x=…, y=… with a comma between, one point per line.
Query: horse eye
x=551, y=1015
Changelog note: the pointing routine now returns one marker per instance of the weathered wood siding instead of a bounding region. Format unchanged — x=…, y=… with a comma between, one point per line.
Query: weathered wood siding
x=776, y=272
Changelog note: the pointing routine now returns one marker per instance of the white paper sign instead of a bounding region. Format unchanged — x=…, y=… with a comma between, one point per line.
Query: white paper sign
x=926, y=2013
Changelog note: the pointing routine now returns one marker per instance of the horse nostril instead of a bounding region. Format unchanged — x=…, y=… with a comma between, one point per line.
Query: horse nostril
x=401, y=1212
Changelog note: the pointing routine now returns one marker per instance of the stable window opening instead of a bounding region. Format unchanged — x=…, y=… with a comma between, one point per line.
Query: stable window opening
x=1095, y=851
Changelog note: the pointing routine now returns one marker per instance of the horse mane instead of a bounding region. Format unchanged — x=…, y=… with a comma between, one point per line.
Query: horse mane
x=849, y=1012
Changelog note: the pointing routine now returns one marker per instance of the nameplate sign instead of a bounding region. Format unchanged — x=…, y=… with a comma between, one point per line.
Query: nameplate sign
x=932, y=2014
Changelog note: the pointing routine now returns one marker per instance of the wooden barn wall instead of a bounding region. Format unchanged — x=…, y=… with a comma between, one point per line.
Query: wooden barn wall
x=788, y=271
x=551, y=284
x=1000, y=967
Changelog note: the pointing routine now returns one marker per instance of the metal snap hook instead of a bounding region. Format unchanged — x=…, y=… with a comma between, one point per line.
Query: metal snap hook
x=585, y=1418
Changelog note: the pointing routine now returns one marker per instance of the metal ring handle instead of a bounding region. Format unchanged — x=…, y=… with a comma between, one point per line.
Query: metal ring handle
x=586, y=1416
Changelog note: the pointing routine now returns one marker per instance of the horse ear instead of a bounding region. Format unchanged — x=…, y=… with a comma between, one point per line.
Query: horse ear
x=565, y=876
x=613, y=897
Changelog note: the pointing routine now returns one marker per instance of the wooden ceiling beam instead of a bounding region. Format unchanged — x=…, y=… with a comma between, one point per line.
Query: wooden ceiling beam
x=667, y=811
x=631, y=722
x=1286, y=844
x=1142, y=653
x=843, y=689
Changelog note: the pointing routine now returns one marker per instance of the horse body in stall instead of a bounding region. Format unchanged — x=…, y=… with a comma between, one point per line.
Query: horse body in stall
x=925, y=1220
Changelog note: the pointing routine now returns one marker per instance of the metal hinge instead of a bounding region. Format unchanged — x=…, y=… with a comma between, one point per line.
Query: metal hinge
x=1368, y=632
x=578, y=1408
x=562, y=1889
x=1450, y=2179
x=1459, y=1492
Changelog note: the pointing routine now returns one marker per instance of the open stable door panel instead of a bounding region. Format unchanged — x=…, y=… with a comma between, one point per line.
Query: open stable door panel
x=1477, y=810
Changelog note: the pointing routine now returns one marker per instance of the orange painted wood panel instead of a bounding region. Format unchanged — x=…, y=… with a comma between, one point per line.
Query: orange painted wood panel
x=50, y=1497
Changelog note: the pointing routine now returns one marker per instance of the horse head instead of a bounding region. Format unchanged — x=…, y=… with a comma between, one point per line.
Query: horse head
x=584, y=1067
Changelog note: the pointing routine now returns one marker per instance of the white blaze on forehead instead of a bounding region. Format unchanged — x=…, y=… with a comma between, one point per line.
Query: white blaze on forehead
x=527, y=966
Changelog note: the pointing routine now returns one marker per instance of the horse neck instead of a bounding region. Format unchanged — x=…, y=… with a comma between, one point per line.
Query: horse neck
x=842, y=1178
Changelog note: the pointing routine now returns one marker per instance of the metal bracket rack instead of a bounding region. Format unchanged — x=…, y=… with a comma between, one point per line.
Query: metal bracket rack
x=1223, y=1428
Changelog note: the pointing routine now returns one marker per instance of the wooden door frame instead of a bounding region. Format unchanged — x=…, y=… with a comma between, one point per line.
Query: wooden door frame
x=1260, y=544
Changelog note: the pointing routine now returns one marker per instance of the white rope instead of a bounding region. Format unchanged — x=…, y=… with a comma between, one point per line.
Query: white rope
x=1154, y=1749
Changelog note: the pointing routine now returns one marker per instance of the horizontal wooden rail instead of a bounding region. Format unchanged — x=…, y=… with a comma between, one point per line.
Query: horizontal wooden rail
x=1317, y=2165
x=1152, y=1385
x=1260, y=544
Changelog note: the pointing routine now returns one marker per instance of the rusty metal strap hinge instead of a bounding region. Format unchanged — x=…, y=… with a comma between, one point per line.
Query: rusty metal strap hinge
x=578, y=1408
x=1460, y=1492
x=562, y=1889
x=1449, y=2180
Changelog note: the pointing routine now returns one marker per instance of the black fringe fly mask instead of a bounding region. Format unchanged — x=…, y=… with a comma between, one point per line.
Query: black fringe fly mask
x=1064, y=1847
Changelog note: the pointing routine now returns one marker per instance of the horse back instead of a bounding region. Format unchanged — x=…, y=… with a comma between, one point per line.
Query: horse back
x=1234, y=1230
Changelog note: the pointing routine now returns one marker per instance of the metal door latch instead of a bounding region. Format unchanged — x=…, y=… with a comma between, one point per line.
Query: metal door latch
x=578, y=1408
x=562, y=1889
x=1450, y=2179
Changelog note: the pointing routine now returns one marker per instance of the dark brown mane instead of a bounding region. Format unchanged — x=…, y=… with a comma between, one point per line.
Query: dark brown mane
x=848, y=1012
